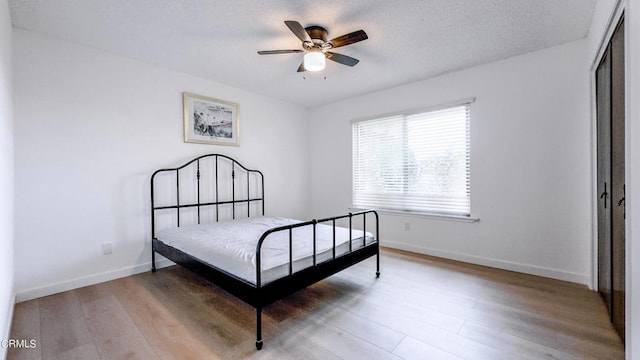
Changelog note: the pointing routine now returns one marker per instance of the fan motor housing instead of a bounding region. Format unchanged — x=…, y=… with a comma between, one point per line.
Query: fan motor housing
x=317, y=33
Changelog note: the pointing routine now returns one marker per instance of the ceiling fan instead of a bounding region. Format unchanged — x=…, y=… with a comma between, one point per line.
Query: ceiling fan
x=316, y=46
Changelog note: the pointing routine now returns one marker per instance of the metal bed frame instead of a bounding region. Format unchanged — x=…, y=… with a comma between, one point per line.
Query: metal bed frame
x=258, y=295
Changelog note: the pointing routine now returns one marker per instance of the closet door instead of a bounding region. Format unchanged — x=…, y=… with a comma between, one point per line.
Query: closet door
x=618, y=180
x=610, y=93
x=603, y=105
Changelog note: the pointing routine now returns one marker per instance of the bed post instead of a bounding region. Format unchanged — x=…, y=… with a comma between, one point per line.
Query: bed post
x=153, y=258
x=259, y=328
x=377, y=244
x=259, y=292
x=378, y=261
x=153, y=224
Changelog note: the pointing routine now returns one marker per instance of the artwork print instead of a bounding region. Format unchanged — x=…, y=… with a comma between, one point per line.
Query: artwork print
x=210, y=121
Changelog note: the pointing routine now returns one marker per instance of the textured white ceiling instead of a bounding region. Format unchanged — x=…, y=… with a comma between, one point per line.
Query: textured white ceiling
x=409, y=40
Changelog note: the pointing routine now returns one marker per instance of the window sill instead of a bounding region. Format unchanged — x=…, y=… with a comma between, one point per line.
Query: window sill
x=459, y=218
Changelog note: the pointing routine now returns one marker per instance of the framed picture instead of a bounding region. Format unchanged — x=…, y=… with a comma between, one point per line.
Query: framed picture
x=210, y=121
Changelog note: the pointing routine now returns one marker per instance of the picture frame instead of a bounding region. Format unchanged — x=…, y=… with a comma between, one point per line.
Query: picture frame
x=210, y=121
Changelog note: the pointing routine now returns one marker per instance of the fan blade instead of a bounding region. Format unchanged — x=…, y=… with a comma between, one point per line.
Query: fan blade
x=272, y=52
x=301, y=67
x=342, y=59
x=298, y=30
x=349, y=39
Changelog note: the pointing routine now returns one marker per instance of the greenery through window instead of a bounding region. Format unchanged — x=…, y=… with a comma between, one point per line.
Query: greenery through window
x=415, y=162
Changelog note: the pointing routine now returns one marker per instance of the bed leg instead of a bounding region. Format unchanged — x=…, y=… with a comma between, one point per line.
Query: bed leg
x=378, y=264
x=259, y=328
x=153, y=261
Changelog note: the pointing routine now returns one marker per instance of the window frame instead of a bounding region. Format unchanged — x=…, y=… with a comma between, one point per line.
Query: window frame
x=404, y=115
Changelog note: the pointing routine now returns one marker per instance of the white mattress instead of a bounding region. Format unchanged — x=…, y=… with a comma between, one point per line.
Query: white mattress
x=231, y=245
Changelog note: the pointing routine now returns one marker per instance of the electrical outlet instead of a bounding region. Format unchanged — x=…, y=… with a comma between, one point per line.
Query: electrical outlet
x=106, y=249
x=407, y=226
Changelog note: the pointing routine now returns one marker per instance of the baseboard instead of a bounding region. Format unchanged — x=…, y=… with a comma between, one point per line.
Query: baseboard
x=76, y=283
x=494, y=263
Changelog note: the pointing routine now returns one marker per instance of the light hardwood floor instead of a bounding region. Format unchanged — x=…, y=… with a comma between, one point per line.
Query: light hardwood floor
x=420, y=308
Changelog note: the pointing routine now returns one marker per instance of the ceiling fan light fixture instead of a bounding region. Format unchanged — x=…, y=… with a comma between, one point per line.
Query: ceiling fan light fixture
x=316, y=46
x=314, y=61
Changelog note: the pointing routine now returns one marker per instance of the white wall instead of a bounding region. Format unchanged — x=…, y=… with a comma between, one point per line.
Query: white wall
x=530, y=163
x=6, y=176
x=90, y=128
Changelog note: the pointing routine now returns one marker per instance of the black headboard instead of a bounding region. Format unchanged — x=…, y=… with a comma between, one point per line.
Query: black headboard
x=214, y=182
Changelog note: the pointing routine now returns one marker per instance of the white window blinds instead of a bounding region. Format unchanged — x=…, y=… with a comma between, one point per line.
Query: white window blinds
x=417, y=162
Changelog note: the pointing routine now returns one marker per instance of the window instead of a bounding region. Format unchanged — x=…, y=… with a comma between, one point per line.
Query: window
x=417, y=162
